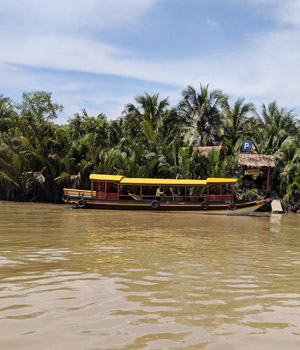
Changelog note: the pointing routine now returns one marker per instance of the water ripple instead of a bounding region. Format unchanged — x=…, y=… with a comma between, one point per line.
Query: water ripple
x=80, y=280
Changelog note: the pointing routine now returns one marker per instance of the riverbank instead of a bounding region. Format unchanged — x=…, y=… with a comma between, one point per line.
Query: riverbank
x=293, y=207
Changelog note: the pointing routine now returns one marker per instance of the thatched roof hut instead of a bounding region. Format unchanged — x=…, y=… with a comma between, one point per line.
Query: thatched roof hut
x=205, y=150
x=258, y=161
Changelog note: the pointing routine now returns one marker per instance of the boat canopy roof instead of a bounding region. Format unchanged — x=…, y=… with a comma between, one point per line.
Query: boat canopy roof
x=106, y=178
x=220, y=180
x=162, y=182
x=123, y=180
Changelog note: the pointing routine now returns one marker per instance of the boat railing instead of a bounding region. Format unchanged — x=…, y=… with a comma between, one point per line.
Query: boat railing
x=176, y=198
x=208, y=198
x=219, y=197
x=71, y=192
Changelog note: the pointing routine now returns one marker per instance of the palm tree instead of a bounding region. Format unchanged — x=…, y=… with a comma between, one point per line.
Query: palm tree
x=7, y=113
x=21, y=169
x=229, y=159
x=149, y=109
x=276, y=125
x=235, y=118
x=288, y=161
x=202, y=110
x=135, y=161
x=151, y=126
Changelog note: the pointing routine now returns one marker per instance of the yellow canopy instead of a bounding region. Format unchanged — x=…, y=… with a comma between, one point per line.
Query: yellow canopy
x=123, y=180
x=161, y=182
x=220, y=180
x=106, y=178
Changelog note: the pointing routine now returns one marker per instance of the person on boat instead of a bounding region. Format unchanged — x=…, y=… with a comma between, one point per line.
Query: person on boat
x=158, y=194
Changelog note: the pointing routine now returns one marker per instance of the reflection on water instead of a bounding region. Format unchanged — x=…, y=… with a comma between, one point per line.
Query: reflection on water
x=88, y=279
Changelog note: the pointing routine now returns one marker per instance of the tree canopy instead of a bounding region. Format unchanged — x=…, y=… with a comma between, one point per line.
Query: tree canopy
x=150, y=139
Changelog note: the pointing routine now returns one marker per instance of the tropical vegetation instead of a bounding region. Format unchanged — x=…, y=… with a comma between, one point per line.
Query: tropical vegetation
x=38, y=157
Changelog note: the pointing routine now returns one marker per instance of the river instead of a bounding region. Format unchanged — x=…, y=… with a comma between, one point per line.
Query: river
x=92, y=279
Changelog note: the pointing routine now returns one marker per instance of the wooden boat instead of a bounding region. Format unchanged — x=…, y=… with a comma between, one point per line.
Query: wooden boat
x=122, y=193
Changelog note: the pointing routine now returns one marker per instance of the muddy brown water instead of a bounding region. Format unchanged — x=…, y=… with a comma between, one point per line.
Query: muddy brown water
x=92, y=279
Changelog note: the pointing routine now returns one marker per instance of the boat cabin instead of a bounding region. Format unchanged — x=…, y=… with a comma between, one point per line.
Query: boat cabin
x=118, y=187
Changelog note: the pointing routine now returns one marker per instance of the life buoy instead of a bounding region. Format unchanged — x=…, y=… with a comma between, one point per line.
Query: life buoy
x=232, y=206
x=155, y=204
x=65, y=197
x=204, y=205
x=81, y=203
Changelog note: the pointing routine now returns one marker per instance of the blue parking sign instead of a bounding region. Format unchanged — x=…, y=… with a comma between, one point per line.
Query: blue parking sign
x=247, y=146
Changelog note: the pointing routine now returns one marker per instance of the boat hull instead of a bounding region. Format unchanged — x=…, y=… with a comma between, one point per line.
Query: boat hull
x=221, y=208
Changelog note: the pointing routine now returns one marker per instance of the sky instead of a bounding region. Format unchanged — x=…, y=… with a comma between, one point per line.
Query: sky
x=98, y=55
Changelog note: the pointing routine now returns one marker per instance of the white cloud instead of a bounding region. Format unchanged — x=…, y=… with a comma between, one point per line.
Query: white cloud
x=70, y=14
x=211, y=22
x=12, y=76
x=265, y=67
x=268, y=67
x=285, y=11
x=289, y=12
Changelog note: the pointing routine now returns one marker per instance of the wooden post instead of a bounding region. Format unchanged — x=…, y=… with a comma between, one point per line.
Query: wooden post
x=118, y=191
x=105, y=192
x=92, y=188
x=98, y=189
x=268, y=179
x=220, y=189
x=207, y=190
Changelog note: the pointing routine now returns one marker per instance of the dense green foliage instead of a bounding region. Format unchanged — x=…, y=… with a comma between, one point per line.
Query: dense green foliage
x=38, y=157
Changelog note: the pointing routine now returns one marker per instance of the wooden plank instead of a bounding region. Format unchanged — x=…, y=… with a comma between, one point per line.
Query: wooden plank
x=276, y=206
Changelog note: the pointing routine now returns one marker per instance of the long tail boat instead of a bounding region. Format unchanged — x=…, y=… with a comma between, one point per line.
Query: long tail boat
x=118, y=192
